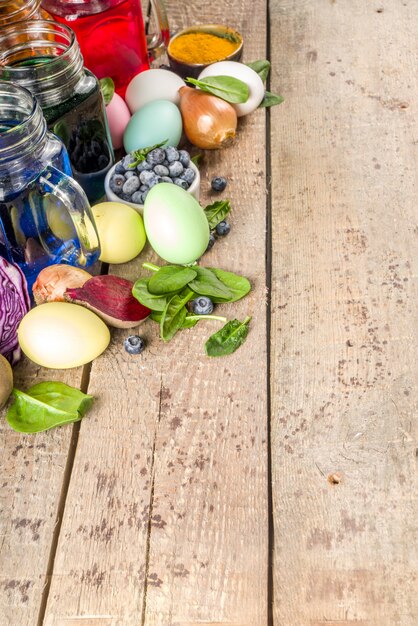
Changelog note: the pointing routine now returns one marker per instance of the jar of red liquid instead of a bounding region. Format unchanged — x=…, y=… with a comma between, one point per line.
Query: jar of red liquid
x=16, y=10
x=111, y=35
x=44, y=57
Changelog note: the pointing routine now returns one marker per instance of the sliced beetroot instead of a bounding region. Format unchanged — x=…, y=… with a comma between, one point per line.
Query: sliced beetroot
x=111, y=298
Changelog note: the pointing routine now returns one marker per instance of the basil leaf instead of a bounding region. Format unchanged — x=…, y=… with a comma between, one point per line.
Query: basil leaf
x=270, y=99
x=239, y=286
x=174, y=314
x=262, y=67
x=144, y=296
x=170, y=278
x=47, y=405
x=225, y=87
x=228, y=339
x=141, y=154
x=217, y=212
x=107, y=87
x=208, y=284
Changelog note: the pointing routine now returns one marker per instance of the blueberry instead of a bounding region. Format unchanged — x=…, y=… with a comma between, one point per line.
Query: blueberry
x=144, y=195
x=143, y=188
x=127, y=161
x=136, y=197
x=156, y=156
x=134, y=344
x=181, y=183
x=166, y=179
x=218, y=183
x=119, y=169
x=161, y=170
x=130, y=174
x=131, y=185
x=116, y=183
x=211, y=242
x=171, y=154
x=146, y=176
x=188, y=175
x=125, y=196
x=184, y=158
x=202, y=306
x=223, y=228
x=144, y=165
x=175, y=168
x=154, y=180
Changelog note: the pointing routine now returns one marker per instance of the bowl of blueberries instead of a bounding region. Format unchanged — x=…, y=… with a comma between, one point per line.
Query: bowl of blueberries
x=129, y=181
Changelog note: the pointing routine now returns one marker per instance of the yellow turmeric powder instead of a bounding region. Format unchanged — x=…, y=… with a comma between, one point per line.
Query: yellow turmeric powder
x=201, y=47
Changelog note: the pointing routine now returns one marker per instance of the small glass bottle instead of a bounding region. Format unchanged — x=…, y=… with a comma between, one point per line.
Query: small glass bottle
x=45, y=217
x=17, y=10
x=44, y=57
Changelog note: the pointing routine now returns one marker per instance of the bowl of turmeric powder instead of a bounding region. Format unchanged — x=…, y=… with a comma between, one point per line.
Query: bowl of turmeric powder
x=192, y=49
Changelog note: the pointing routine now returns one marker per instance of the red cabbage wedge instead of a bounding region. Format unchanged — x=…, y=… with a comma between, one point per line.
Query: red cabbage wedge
x=14, y=304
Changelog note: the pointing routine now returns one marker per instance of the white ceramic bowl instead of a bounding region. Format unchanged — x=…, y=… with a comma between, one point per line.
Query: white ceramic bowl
x=194, y=189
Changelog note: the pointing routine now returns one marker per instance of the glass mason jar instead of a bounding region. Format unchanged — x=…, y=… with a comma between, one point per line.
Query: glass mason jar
x=45, y=217
x=45, y=58
x=16, y=10
x=112, y=35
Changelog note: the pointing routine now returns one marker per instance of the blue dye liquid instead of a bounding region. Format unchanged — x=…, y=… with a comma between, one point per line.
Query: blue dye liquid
x=35, y=229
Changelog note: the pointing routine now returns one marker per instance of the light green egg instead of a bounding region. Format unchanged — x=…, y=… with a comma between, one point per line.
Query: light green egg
x=175, y=224
x=153, y=123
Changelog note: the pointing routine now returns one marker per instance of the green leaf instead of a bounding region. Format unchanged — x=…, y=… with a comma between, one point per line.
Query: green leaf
x=47, y=405
x=217, y=212
x=170, y=278
x=207, y=283
x=270, y=99
x=262, y=67
x=107, y=87
x=226, y=87
x=239, y=286
x=141, y=292
x=189, y=322
x=141, y=154
x=174, y=314
x=228, y=339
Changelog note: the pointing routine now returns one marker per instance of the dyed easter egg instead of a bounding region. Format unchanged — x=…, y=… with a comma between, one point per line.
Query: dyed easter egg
x=156, y=122
x=155, y=84
x=175, y=223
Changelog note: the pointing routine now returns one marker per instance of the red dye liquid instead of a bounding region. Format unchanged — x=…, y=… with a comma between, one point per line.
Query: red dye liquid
x=112, y=42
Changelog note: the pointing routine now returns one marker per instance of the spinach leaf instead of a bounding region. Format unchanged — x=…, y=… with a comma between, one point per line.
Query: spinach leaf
x=170, y=278
x=225, y=87
x=47, y=405
x=141, y=154
x=141, y=292
x=270, y=99
x=239, y=286
x=262, y=67
x=207, y=283
x=107, y=87
x=228, y=339
x=174, y=314
x=189, y=322
x=217, y=212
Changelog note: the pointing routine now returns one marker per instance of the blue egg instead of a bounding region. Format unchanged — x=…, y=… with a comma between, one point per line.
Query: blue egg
x=153, y=123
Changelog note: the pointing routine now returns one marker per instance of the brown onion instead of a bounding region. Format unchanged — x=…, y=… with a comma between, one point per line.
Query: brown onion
x=53, y=281
x=208, y=121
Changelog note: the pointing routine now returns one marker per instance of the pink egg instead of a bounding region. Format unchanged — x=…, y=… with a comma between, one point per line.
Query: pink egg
x=118, y=116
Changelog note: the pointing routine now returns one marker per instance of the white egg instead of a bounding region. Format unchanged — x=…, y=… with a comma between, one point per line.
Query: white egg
x=244, y=73
x=153, y=85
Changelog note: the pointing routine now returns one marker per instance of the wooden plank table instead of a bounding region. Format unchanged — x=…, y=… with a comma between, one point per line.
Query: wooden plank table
x=277, y=485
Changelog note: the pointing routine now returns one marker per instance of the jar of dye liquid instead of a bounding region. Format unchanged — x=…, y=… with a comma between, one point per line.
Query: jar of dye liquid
x=17, y=10
x=45, y=217
x=45, y=58
x=112, y=35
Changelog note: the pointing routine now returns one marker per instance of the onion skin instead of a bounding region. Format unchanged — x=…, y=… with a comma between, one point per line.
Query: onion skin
x=208, y=122
x=53, y=281
x=110, y=297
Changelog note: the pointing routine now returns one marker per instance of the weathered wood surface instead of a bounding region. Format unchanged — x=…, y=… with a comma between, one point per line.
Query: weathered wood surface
x=32, y=477
x=166, y=515
x=344, y=313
